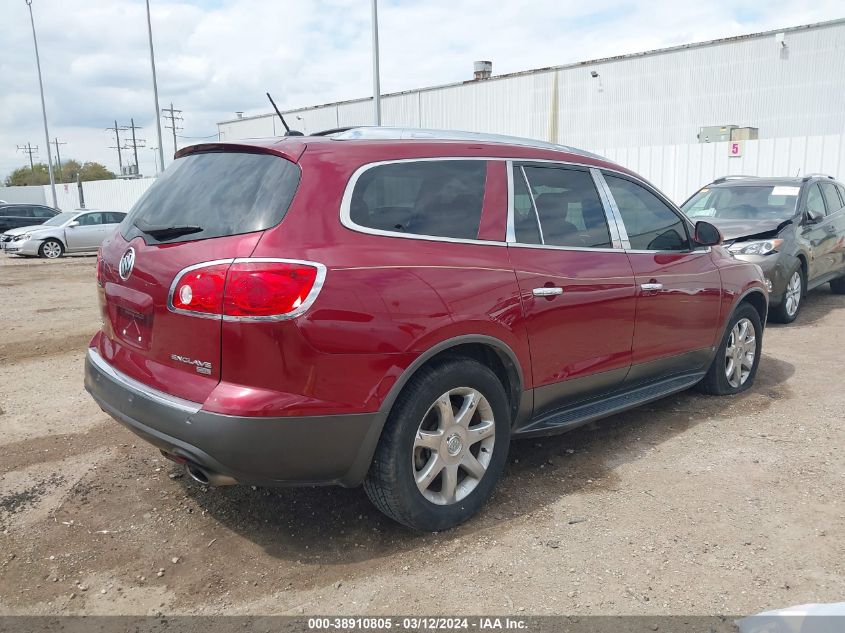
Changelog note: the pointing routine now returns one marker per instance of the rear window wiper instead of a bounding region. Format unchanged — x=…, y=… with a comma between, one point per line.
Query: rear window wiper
x=165, y=232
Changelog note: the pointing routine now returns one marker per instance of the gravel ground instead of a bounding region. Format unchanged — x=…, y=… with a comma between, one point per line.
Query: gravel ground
x=693, y=504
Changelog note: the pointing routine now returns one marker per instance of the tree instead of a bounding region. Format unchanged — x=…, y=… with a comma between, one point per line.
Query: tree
x=26, y=176
x=70, y=168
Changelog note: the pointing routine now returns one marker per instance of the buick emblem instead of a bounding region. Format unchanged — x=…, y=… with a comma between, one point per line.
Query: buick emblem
x=126, y=263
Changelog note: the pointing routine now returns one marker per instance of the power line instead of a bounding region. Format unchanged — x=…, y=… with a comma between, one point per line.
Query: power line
x=173, y=116
x=29, y=149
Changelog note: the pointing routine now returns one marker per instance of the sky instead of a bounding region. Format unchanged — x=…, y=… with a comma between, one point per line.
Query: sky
x=216, y=57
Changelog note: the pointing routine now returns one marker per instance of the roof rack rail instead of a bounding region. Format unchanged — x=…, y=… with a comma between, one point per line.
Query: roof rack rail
x=374, y=133
x=732, y=177
x=817, y=175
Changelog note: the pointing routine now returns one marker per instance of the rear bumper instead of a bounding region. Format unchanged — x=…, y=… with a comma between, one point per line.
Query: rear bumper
x=286, y=451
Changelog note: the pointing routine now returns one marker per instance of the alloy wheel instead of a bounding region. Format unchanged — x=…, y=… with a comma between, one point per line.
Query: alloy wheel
x=52, y=249
x=453, y=446
x=740, y=353
x=793, y=293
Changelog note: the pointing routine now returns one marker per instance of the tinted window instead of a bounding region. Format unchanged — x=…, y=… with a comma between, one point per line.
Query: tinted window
x=565, y=202
x=815, y=202
x=43, y=212
x=651, y=224
x=90, y=219
x=23, y=212
x=224, y=193
x=830, y=197
x=438, y=198
x=114, y=218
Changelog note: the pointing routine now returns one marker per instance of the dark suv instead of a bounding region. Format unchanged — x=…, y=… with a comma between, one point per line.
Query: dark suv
x=392, y=307
x=793, y=228
x=13, y=216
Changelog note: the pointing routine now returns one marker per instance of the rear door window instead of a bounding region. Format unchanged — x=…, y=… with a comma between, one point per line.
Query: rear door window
x=558, y=206
x=651, y=224
x=216, y=193
x=440, y=198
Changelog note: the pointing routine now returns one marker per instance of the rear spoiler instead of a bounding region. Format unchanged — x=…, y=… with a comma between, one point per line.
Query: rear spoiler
x=290, y=148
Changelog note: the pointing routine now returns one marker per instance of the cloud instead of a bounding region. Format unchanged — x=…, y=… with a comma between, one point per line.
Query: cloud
x=215, y=57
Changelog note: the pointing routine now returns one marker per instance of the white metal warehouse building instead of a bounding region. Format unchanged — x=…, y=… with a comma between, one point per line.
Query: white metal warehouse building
x=644, y=110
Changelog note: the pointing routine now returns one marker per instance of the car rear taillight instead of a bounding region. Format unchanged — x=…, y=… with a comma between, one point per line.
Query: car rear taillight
x=199, y=289
x=247, y=289
x=100, y=280
x=267, y=289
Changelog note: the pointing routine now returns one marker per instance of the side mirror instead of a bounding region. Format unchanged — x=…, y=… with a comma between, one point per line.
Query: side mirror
x=814, y=216
x=706, y=234
x=70, y=225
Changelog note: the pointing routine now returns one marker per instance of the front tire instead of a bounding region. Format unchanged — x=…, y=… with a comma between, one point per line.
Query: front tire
x=793, y=298
x=738, y=356
x=51, y=249
x=443, y=448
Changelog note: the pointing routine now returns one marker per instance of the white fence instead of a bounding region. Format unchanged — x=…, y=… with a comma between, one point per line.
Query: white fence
x=677, y=170
x=680, y=170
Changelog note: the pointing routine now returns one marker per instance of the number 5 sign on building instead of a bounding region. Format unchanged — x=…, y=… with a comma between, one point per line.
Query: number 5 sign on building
x=735, y=148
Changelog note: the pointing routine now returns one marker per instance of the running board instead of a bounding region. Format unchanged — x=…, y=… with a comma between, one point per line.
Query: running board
x=567, y=419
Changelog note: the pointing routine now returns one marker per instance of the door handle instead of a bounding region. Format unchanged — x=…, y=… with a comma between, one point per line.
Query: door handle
x=651, y=287
x=547, y=291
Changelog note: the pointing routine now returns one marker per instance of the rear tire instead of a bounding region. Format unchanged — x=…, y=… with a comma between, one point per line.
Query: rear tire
x=723, y=378
x=793, y=299
x=51, y=249
x=434, y=468
x=837, y=286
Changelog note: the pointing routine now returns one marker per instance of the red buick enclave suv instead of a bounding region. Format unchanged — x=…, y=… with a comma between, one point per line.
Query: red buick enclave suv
x=391, y=307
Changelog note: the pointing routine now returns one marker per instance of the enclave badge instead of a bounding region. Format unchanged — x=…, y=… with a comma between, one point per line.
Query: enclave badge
x=126, y=263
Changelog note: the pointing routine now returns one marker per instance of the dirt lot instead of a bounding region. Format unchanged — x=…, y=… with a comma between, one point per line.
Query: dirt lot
x=691, y=505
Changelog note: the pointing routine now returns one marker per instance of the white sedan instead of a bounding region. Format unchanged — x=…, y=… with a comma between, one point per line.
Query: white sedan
x=69, y=232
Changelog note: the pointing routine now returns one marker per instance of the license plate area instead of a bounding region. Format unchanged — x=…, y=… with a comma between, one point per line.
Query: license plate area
x=133, y=328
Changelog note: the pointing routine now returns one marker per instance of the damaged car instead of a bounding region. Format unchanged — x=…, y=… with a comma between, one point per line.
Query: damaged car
x=793, y=228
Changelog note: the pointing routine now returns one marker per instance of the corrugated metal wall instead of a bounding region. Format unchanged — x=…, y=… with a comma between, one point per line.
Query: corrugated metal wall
x=677, y=170
x=662, y=98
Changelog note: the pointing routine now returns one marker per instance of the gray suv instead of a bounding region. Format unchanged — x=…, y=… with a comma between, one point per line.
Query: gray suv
x=793, y=228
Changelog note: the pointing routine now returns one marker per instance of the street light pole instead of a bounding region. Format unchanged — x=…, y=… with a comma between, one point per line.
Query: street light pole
x=155, y=87
x=43, y=107
x=376, y=88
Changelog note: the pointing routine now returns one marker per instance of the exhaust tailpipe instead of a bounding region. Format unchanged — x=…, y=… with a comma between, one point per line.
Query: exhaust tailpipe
x=208, y=478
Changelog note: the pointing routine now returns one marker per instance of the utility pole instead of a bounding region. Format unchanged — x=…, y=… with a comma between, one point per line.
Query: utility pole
x=116, y=145
x=43, y=107
x=155, y=157
x=173, y=115
x=160, y=147
x=58, y=157
x=376, y=88
x=135, y=143
x=29, y=149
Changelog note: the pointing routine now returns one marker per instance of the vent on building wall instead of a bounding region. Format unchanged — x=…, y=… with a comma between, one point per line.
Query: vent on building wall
x=482, y=70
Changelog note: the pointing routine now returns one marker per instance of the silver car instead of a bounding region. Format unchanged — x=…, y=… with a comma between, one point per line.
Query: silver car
x=69, y=232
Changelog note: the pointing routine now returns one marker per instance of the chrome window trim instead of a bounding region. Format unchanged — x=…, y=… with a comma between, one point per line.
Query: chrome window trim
x=618, y=234
x=533, y=206
x=510, y=233
x=140, y=388
x=346, y=203
x=510, y=237
x=319, y=281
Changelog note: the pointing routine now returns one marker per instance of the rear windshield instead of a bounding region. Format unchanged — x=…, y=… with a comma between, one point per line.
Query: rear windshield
x=214, y=194
x=744, y=202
